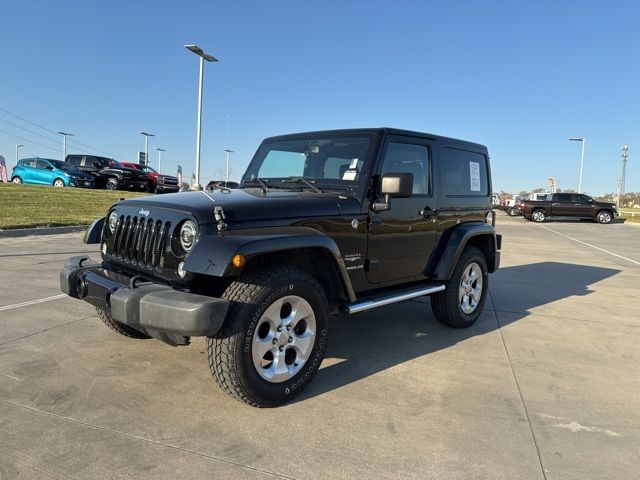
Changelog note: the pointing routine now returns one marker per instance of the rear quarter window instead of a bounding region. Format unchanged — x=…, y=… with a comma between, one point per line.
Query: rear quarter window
x=464, y=173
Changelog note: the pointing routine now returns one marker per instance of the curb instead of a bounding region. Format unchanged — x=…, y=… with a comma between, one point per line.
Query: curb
x=25, y=232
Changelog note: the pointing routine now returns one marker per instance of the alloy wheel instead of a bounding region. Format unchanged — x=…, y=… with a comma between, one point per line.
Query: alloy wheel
x=283, y=339
x=470, y=291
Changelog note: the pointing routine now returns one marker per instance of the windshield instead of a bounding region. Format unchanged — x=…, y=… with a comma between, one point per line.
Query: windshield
x=61, y=165
x=148, y=170
x=115, y=164
x=331, y=160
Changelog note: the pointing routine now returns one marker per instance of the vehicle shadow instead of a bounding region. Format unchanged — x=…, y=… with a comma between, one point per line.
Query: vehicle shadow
x=365, y=344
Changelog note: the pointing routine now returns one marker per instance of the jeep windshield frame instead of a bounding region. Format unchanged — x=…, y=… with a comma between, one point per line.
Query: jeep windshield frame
x=334, y=160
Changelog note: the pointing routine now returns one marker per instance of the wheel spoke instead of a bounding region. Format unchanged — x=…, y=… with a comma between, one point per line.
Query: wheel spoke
x=279, y=369
x=260, y=349
x=304, y=343
x=300, y=312
x=273, y=312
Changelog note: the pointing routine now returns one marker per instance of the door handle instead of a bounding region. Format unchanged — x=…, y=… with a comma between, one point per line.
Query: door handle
x=427, y=212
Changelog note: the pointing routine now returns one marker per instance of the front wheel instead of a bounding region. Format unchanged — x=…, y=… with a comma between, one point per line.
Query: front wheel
x=462, y=301
x=16, y=180
x=512, y=212
x=112, y=183
x=58, y=182
x=604, y=217
x=274, y=338
x=118, y=327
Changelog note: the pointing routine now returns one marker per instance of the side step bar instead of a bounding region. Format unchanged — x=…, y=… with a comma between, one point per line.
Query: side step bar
x=388, y=299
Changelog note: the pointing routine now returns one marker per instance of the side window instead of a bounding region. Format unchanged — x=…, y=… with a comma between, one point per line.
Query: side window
x=408, y=158
x=41, y=164
x=28, y=163
x=465, y=173
x=75, y=161
x=92, y=162
x=578, y=199
x=564, y=198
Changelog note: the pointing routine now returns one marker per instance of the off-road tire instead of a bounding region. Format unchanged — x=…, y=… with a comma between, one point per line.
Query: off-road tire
x=229, y=351
x=118, y=327
x=112, y=183
x=538, y=216
x=16, y=180
x=446, y=304
x=604, y=217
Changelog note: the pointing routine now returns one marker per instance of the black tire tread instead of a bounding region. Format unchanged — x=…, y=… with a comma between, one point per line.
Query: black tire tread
x=118, y=327
x=444, y=304
x=222, y=346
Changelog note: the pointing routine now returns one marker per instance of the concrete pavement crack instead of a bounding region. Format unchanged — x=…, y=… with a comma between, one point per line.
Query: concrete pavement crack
x=515, y=378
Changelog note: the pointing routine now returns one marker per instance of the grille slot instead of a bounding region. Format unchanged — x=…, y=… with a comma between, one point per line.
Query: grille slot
x=141, y=241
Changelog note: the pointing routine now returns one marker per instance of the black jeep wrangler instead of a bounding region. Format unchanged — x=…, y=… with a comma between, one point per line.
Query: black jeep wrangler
x=323, y=222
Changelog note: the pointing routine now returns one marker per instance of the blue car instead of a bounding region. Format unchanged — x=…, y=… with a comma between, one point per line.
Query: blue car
x=44, y=171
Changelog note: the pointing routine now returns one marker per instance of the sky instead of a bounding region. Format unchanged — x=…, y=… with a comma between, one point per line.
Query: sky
x=519, y=77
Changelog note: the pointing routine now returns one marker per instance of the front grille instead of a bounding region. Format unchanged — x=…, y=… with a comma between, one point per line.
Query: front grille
x=170, y=181
x=141, y=241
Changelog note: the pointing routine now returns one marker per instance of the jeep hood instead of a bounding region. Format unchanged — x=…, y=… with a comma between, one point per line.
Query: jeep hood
x=243, y=205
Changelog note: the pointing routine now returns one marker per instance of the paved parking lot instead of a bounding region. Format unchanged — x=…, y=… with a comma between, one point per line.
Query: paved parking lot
x=545, y=385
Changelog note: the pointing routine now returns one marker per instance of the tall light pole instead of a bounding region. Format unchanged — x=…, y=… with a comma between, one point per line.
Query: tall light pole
x=203, y=56
x=621, y=185
x=228, y=153
x=146, y=146
x=17, y=148
x=583, y=140
x=160, y=150
x=64, y=144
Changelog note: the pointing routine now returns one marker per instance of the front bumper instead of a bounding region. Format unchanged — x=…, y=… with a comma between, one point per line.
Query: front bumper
x=157, y=310
x=82, y=183
x=167, y=188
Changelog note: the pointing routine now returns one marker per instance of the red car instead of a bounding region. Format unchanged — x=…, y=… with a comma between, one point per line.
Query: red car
x=158, y=182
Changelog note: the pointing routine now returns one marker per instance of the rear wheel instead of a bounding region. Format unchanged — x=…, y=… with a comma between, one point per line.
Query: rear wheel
x=274, y=338
x=512, y=211
x=461, y=303
x=604, y=217
x=118, y=327
x=58, y=182
x=16, y=180
x=538, y=216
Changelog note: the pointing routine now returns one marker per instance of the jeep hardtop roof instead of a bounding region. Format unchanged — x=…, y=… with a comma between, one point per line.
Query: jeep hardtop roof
x=377, y=131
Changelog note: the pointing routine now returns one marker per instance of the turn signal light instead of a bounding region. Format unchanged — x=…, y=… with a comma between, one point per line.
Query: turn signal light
x=238, y=261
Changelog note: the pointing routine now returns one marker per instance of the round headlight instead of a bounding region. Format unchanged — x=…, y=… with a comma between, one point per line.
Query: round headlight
x=188, y=233
x=112, y=221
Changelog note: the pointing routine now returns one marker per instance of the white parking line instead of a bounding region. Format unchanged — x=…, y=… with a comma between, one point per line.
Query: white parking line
x=589, y=245
x=32, y=302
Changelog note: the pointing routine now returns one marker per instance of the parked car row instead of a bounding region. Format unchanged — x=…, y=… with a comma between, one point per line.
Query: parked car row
x=91, y=171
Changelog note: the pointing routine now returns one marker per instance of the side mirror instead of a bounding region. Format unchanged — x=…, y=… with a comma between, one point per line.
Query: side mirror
x=394, y=185
x=591, y=200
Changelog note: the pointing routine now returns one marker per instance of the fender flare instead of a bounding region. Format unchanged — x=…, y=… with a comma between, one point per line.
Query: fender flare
x=454, y=243
x=212, y=255
x=93, y=234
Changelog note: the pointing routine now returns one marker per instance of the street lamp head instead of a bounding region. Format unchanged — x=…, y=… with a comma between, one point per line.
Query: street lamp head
x=17, y=146
x=147, y=134
x=198, y=51
x=228, y=151
x=577, y=139
x=66, y=134
x=161, y=149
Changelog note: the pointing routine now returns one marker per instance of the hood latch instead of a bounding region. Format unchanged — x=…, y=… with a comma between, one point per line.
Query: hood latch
x=218, y=214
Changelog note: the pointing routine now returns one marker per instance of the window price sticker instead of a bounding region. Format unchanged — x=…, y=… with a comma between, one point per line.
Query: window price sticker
x=474, y=176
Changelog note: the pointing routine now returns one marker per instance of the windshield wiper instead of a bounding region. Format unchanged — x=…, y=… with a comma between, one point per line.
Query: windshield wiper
x=302, y=180
x=259, y=181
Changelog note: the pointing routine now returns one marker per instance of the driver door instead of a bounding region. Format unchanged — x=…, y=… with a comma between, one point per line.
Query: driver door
x=401, y=239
